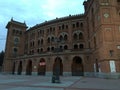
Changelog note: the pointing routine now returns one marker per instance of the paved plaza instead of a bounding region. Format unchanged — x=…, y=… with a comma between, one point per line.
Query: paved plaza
x=22, y=82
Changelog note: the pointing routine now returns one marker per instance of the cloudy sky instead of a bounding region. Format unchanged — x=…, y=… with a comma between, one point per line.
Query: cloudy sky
x=34, y=12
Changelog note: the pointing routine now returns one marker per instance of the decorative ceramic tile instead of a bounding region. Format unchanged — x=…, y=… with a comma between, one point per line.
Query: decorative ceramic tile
x=106, y=15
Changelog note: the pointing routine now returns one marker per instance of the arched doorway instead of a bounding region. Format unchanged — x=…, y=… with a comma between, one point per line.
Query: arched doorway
x=13, y=68
x=77, y=66
x=20, y=68
x=96, y=65
x=41, y=67
x=58, y=66
x=29, y=68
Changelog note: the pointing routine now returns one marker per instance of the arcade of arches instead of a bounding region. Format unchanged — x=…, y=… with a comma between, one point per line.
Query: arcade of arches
x=77, y=67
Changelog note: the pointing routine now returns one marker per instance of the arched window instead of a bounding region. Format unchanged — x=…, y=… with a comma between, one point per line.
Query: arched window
x=16, y=41
x=77, y=60
x=50, y=29
x=52, y=39
x=65, y=47
x=41, y=41
x=15, y=50
x=33, y=43
x=80, y=36
x=13, y=31
x=38, y=50
x=61, y=47
x=61, y=37
x=52, y=48
x=77, y=24
x=48, y=49
x=59, y=27
x=63, y=26
x=81, y=25
x=20, y=32
x=38, y=42
x=48, y=40
x=73, y=25
x=75, y=46
x=41, y=49
x=81, y=46
x=75, y=36
x=65, y=37
x=66, y=26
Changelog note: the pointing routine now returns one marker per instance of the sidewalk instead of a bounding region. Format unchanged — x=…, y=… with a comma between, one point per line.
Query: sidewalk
x=16, y=82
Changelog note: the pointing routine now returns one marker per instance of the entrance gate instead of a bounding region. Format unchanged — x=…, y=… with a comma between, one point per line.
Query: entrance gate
x=58, y=66
x=77, y=67
x=20, y=68
x=41, y=67
x=29, y=68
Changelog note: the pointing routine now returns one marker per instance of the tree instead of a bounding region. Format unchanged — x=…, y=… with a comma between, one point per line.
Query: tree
x=1, y=57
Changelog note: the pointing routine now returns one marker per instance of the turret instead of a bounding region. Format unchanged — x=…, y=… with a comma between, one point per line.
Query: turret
x=14, y=42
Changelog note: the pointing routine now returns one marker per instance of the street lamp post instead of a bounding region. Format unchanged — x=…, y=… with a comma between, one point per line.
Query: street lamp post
x=55, y=77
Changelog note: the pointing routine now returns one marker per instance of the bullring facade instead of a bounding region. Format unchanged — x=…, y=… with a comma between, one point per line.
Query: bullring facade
x=79, y=45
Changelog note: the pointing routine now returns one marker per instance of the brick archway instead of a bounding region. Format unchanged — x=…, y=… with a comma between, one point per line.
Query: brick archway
x=41, y=67
x=29, y=67
x=77, y=66
x=58, y=66
x=19, y=68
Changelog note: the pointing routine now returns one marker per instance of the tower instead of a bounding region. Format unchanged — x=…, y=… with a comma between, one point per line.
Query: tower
x=14, y=43
x=103, y=33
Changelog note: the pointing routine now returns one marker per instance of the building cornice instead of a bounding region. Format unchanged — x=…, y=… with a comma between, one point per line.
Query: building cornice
x=70, y=17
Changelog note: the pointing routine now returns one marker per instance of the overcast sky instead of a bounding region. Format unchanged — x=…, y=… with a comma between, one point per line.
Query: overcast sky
x=34, y=12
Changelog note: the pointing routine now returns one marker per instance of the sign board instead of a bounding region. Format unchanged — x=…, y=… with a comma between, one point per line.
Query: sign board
x=42, y=63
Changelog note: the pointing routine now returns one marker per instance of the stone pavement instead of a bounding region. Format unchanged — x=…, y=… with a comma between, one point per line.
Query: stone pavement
x=22, y=82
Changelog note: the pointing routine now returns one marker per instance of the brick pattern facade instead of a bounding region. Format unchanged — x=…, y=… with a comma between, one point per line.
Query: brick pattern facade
x=89, y=43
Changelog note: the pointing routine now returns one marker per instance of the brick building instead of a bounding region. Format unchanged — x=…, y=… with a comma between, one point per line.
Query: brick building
x=79, y=45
